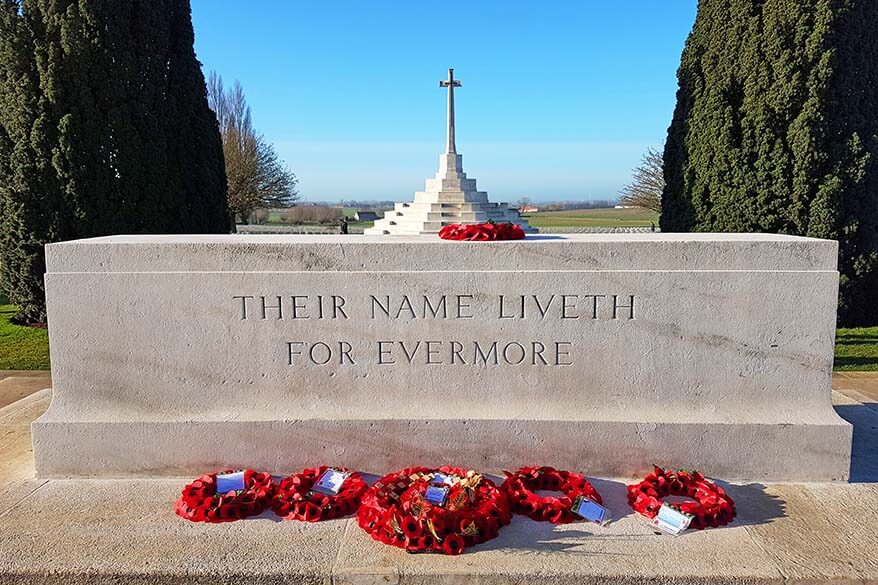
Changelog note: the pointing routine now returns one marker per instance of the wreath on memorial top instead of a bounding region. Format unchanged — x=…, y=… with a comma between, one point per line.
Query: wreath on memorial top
x=710, y=505
x=433, y=510
x=520, y=487
x=200, y=502
x=482, y=232
x=295, y=499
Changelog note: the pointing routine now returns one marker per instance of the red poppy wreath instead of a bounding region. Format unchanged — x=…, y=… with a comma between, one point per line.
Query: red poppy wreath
x=482, y=232
x=710, y=505
x=296, y=499
x=521, y=486
x=433, y=510
x=200, y=501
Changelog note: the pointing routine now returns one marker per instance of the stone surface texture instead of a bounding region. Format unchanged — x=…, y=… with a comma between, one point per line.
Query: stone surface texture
x=450, y=197
x=124, y=532
x=164, y=365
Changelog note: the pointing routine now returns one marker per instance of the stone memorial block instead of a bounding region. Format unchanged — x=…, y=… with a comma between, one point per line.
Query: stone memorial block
x=176, y=355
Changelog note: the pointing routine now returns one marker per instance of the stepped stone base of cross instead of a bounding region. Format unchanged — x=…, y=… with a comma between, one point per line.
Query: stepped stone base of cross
x=448, y=198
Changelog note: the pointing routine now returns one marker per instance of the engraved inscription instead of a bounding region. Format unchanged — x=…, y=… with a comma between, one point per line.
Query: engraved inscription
x=377, y=308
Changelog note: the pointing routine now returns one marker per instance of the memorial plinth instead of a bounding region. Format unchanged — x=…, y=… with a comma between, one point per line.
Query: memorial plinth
x=174, y=355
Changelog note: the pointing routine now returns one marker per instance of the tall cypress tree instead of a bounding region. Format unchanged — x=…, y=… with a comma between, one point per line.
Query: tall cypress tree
x=116, y=134
x=31, y=207
x=776, y=130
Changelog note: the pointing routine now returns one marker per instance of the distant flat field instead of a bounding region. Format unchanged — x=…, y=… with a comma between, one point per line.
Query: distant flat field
x=593, y=218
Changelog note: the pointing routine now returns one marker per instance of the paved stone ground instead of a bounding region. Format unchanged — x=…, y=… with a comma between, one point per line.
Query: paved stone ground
x=124, y=531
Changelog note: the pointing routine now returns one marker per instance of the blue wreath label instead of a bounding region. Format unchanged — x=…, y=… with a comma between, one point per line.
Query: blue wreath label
x=229, y=482
x=590, y=510
x=436, y=494
x=329, y=484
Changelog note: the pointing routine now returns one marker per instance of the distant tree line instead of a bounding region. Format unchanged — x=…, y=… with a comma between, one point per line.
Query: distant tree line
x=300, y=214
x=569, y=205
x=104, y=129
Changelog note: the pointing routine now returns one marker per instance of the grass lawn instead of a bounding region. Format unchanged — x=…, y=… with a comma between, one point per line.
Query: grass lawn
x=593, y=218
x=22, y=348
x=856, y=350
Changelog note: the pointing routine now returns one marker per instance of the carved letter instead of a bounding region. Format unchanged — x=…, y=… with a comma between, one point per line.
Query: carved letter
x=433, y=352
x=328, y=353
x=435, y=311
x=382, y=352
x=407, y=305
x=461, y=306
x=540, y=308
x=345, y=349
x=506, y=353
x=617, y=306
x=477, y=353
x=278, y=306
x=338, y=307
x=537, y=353
x=297, y=307
x=384, y=308
x=410, y=356
x=565, y=306
x=502, y=316
x=594, y=304
x=243, y=307
x=290, y=351
x=456, y=349
x=559, y=354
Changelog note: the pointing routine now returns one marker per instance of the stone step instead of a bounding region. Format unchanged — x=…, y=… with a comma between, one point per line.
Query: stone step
x=125, y=531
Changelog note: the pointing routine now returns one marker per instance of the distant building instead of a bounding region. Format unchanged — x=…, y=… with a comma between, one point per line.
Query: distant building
x=529, y=209
x=626, y=207
x=366, y=216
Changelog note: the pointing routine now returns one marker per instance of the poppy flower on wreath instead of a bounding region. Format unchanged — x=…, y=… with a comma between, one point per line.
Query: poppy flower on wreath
x=295, y=499
x=710, y=506
x=200, y=501
x=398, y=510
x=482, y=232
x=521, y=487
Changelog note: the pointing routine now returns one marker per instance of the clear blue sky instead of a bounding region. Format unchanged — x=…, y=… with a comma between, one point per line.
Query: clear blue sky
x=559, y=99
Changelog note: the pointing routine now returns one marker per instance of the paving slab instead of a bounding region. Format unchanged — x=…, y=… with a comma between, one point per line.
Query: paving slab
x=864, y=451
x=626, y=551
x=14, y=388
x=24, y=373
x=124, y=531
x=864, y=384
x=827, y=530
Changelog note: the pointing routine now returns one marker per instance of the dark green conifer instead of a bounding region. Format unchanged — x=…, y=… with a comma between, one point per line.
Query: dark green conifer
x=111, y=127
x=776, y=130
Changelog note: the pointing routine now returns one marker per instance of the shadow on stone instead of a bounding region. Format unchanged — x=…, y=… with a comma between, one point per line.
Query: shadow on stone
x=753, y=505
x=526, y=534
x=864, y=453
